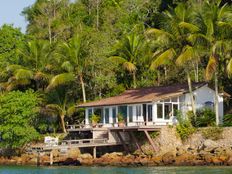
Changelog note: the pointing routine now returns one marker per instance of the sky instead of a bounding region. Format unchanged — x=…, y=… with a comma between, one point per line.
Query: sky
x=10, y=12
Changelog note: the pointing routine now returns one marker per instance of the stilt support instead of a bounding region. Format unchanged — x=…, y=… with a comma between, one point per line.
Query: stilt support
x=150, y=141
x=51, y=158
x=95, y=152
x=134, y=139
x=123, y=143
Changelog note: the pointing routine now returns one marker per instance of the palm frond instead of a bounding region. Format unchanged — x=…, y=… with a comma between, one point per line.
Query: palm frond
x=61, y=79
x=67, y=66
x=71, y=110
x=41, y=76
x=186, y=56
x=117, y=59
x=54, y=107
x=23, y=74
x=158, y=33
x=211, y=67
x=129, y=66
x=163, y=59
x=13, y=68
x=191, y=27
x=229, y=68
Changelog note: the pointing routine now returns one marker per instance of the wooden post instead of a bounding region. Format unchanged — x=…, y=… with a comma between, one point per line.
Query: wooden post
x=51, y=158
x=150, y=141
x=134, y=139
x=38, y=158
x=122, y=141
x=94, y=152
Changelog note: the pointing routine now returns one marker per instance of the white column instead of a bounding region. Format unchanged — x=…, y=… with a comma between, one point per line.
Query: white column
x=86, y=116
x=110, y=115
x=154, y=112
x=134, y=113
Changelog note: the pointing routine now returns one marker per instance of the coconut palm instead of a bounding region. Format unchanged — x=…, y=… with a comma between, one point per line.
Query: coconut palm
x=73, y=62
x=128, y=54
x=215, y=23
x=174, y=47
x=33, y=65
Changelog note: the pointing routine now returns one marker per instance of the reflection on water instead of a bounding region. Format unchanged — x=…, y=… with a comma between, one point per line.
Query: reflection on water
x=114, y=170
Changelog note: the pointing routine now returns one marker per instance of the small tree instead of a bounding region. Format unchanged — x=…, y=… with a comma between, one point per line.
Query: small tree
x=18, y=111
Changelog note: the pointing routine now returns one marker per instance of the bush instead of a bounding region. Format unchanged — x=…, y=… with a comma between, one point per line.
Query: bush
x=184, y=127
x=204, y=118
x=227, y=120
x=213, y=133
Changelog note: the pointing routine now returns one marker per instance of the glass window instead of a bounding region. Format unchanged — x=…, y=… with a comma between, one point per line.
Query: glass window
x=114, y=115
x=123, y=111
x=130, y=110
x=167, y=100
x=159, y=110
x=138, y=111
x=167, y=110
x=107, y=114
x=90, y=113
x=175, y=109
x=149, y=112
x=99, y=112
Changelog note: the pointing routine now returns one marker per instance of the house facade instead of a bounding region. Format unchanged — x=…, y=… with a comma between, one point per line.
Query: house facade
x=150, y=106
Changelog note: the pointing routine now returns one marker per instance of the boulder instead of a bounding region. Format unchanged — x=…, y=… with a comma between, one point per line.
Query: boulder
x=209, y=145
x=74, y=153
x=168, y=158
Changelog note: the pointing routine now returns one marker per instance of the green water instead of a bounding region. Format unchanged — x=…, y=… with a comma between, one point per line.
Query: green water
x=114, y=170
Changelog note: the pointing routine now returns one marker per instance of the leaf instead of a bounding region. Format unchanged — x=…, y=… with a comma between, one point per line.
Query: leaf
x=229, y=67
x=129, y=66
x=23, y=74
x=211, y=67
x=158, y=32
x=71, y=110
x=163, y=59
x=191, y=27
x=117, y=59
x=186, y=56
x=67, y=66
x=13, y=68
x=61, y=79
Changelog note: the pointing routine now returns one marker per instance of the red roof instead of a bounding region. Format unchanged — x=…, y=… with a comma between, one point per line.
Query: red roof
x=143, y=95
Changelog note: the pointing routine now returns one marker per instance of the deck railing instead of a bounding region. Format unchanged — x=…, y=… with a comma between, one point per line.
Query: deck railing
x=84, y=141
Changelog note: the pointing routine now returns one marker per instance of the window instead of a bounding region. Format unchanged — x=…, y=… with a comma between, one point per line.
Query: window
x=107, y=114
x=159, y=110
x=114, y=114
x=175, y=109
x=130, y=114
x=90, y=113
x=167, y=110
x=123, y=111
x=138, y=111
x=149, y=113
x=99, y=112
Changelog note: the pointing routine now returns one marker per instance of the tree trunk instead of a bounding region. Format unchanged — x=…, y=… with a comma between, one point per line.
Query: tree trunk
x=62, y=123
x=83, y=88
x=134, y=79
x=191, y=94
x=49, y=31
x=216, y=99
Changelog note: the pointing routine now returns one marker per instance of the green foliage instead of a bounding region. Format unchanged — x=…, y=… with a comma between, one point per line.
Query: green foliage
x=95, y=118
x=120, y=118
x=213, y=133
x=184, y=127
x=154, y=134
x=18, y=111
x=227, y=120
x=204, y=117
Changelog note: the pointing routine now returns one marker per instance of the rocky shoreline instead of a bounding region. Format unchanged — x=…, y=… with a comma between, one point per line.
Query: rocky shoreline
x=196, y=151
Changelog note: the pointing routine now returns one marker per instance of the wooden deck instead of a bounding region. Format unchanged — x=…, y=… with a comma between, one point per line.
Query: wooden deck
x=82, y=143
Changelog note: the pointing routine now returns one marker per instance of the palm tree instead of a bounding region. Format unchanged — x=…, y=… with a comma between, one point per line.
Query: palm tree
x=73, y=61
x=33, y=65
x=128, y=54
x=174, y=47
x=215, y=23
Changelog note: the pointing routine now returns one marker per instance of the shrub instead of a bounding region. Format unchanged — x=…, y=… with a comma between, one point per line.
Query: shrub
x=213, y=133
x=120, y=118
x=227, y=120
x=204, y=118
x=95, y=118
x=184, y=127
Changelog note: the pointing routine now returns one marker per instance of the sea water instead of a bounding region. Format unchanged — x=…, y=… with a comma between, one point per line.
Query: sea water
x=114, y=170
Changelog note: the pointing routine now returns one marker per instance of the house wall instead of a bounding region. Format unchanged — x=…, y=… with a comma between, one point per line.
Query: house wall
x=202, y=95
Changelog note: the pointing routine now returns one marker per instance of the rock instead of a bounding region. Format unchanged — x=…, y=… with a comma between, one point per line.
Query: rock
x=71, y=161
x=85, y=156
x=184, y=159
x=210, y=144
x=168, y=158
x=73, y=153
x=55, y=153
x=157, y=160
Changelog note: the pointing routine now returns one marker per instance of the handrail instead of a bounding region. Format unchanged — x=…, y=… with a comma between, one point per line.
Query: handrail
x=83, y=141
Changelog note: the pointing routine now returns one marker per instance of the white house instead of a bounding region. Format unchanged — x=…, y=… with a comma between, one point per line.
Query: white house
x=151, y=106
